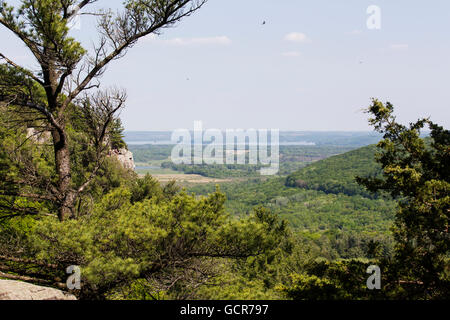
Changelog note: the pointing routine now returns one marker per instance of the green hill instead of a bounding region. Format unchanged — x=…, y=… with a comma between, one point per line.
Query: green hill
x=337, y=174
x=328, y=208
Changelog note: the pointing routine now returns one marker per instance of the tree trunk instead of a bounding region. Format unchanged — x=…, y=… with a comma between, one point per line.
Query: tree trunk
x=62, y=161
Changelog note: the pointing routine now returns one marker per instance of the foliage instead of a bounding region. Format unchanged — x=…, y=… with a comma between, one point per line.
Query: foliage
x=28, y=161
x=338, y=174
x=116, y=135
x=338, y=280
x=173, y=244
x=216, y=170
x=416, y=171
x=68, y=75
x=147, y=153
x=310, y=210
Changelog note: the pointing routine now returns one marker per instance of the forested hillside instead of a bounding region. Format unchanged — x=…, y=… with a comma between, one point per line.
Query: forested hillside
x=340, y=223
x=337, y=174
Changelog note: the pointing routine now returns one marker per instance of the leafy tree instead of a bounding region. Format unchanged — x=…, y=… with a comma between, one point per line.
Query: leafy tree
x=28, y=164
x=164, y=247
x=416, y=172
x=337, y=280
x=116, y=135
x=337, y=174
x=69, y=73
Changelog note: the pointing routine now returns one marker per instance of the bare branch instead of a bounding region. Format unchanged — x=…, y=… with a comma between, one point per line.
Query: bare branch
x=29, y=73
x=124, y=31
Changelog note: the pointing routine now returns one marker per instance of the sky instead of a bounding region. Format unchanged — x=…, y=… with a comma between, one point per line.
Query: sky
x=313, y=65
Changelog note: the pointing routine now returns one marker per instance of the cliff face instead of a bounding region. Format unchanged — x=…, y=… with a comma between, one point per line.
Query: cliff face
x=38, y=137
x=125, y=157
x=17, y=290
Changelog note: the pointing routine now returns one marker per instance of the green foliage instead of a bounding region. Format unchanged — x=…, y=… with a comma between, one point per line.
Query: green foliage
x=216, y=170
x=338, y=280
x=310, y=210
x=416, y=171
x=42, y=22
x=338, y=174
x=27, y=160
x=148, y=153
x=243, y=196
x=116, y=135
x=231, y=284
x=293, y=158
x=306, y=287
x=19, y=155
x=316, y=211
x=146, y=188
x=171, y=243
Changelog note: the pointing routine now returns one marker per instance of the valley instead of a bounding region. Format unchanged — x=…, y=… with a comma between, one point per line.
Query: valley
x=315, y=191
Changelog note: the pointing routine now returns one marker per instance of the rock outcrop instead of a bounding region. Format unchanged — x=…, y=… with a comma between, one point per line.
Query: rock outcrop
x=125, y=157
x=17, y=290
x=39, y=137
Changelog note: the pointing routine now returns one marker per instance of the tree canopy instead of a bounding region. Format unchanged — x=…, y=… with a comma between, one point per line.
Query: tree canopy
x=69, y=72
x=416, y=172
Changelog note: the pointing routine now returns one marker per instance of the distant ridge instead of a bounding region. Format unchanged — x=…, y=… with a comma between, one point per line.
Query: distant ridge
x=337, y=174
x=319, y=138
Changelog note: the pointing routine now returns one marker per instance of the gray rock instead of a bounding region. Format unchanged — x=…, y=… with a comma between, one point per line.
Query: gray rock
x=17, y=290
x=39, y=137
x=125, y=157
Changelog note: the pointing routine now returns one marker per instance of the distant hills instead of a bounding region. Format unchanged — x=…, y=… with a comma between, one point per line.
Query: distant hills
x=337, y=174
x=321, y=200
x=343, y=139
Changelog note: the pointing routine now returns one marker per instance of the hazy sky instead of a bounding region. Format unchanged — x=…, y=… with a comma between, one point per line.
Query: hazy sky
x=313, y=66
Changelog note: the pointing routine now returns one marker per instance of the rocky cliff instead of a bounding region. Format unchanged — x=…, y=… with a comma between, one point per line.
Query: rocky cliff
x=125, y=157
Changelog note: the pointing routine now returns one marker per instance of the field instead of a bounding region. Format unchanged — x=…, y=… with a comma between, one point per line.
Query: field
x=183, y=179
x=152, y=155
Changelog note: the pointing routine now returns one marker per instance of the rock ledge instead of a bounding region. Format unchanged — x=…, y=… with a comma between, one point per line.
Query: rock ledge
x=17, y=290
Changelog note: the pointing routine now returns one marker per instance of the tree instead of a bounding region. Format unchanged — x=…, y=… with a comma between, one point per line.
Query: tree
x=417, y=174
x=161, y=245
x=69, y=73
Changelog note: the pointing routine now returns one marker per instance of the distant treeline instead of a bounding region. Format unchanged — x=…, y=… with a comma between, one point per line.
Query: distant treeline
x=215, y=170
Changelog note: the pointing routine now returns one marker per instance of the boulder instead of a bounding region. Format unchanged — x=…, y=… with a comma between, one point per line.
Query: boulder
x=17, y=290
x=39, y=137
x=125, y=157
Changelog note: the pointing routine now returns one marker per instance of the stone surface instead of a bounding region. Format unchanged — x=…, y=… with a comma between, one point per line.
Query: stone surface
x=39, y=137
x=125, y=157
x=17, y=290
